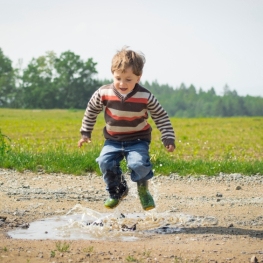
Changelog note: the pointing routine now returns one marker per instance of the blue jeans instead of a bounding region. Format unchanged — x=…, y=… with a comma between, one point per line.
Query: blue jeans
x=136, y=154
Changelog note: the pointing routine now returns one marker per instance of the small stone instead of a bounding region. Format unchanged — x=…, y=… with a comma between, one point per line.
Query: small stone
x=24, y=226
x=3, y=218
x=254, y=259
x=238, y=187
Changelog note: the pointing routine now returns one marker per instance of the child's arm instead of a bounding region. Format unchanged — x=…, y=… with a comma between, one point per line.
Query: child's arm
x=94, y=107
x=170, y=148
x=83, y=140
x=163, y=123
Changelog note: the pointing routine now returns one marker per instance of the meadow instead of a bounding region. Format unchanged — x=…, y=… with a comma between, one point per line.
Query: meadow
x=46, y=140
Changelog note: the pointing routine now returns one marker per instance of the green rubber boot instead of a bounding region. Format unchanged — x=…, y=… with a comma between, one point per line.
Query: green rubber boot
x=111, y=203
x=116, y=196
x=146, y=198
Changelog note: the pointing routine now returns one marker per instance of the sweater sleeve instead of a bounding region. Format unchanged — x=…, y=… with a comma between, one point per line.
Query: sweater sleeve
x=162, y=121
x=93, y=109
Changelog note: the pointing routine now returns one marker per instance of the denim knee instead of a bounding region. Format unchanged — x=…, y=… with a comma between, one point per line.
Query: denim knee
x=106, y=165
x=140, y=171
x=103, y=164
x=139, y=167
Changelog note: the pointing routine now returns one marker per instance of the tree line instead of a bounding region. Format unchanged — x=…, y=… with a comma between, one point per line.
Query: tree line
x=190, y=102
x=48, y=82
x=67, y=81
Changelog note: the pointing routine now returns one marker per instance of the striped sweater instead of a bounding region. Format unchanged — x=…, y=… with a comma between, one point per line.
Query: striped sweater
x=126, y=118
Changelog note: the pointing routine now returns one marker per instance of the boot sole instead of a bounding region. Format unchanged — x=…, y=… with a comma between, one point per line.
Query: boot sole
x=122, y=197
x=148, y=208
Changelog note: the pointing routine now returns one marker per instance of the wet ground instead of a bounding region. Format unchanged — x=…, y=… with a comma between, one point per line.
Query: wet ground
x=114, y=226
x=61, y=218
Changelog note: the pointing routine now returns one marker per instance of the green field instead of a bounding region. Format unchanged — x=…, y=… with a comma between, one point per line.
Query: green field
x=47, y=140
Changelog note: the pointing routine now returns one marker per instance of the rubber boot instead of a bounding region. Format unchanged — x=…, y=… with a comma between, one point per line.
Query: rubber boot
x=146, y=198
x=116, y=195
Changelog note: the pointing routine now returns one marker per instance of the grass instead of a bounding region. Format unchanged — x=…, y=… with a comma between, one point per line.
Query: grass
x=4, y=249
x=52, y=253
x=131, y=258
x=88, y=249
x=62, y=247
x=47, y=140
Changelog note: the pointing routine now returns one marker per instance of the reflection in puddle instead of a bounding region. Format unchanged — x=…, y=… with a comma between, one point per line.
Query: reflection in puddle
x=83, y=223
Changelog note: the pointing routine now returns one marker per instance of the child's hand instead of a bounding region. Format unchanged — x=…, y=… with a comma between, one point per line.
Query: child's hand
x=83, y=140
x=170, y=148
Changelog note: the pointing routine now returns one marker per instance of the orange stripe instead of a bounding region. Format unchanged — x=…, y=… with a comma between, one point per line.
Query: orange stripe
x=109, y=97
x=137, y=100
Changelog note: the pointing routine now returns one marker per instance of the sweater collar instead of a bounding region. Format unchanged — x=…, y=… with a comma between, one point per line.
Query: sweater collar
x=120, y=96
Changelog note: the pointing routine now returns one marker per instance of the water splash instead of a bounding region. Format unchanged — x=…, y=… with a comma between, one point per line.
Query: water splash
x=84, y=223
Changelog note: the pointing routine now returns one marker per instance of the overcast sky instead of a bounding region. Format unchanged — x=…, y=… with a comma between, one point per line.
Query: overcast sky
x=207, y=43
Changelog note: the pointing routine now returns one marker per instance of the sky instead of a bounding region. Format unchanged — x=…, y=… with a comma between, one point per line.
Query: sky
x=206, y=43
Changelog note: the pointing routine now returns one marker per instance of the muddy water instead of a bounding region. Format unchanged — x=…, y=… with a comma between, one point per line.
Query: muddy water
x=83, y=223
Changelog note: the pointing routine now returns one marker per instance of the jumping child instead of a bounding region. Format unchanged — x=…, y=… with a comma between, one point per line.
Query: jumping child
x=127, y=133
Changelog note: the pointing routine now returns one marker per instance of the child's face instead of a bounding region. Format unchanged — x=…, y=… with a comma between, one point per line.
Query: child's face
x=125, y=82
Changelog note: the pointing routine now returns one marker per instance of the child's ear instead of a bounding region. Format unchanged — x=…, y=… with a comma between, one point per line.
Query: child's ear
x=139, y=78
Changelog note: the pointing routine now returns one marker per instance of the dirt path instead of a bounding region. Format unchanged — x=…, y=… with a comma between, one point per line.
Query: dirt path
x=235, y=201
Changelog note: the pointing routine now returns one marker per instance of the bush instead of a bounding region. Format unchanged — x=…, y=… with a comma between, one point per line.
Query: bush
x=4, y=144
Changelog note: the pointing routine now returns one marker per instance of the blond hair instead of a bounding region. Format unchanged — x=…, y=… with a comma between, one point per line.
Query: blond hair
x=126, y=58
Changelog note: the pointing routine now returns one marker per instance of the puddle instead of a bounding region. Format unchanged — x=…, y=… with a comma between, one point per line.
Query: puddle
x=83, y=223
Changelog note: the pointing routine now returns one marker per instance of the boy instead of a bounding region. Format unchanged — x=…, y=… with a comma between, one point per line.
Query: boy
x=126, y=105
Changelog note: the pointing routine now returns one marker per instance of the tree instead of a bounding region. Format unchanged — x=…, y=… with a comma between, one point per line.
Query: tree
x=7, y=80
x=38, y=89
x=67, y=82
x=74, y=80
x=57, y=82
